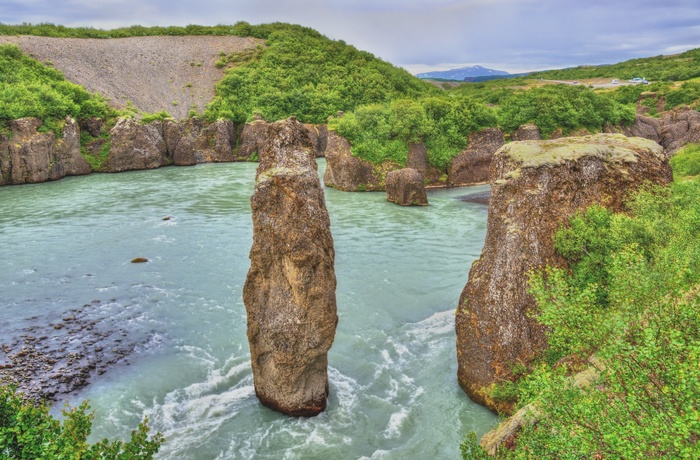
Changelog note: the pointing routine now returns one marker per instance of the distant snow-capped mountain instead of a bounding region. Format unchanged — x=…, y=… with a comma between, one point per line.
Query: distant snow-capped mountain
x=462, y=73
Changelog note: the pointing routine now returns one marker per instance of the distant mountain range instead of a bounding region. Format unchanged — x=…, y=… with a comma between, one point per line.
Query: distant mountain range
x=462, y=73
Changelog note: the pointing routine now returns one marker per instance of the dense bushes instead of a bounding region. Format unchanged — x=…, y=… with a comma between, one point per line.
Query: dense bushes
x=381, y=132
x=562, y=106
x=632, y=300
x=304, y=74
x=28, y=431
x=242, y=29
x=31, y=89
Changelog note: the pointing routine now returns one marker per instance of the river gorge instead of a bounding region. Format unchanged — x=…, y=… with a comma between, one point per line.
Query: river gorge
x=392, y=367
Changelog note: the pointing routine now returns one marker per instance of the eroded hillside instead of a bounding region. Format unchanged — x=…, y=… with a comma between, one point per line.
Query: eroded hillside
x=171, y=73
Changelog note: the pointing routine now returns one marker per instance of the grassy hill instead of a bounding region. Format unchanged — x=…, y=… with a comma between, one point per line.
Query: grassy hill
x=675, y=67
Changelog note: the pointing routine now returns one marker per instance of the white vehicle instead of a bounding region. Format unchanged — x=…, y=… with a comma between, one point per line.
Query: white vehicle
x=636, y=80
x=615, y=82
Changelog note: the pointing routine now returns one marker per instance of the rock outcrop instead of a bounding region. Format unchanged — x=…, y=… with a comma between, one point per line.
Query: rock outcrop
x=406, y=187
x=347, y=172
x=289, y=293
x=472, y=165
x=672, y=130
x=537, y=186
x=136, y=146
x=195, y=141
x=28, y=156
x=527, y=132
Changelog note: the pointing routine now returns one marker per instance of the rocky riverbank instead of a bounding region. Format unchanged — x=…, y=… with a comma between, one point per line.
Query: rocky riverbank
x=52, y=357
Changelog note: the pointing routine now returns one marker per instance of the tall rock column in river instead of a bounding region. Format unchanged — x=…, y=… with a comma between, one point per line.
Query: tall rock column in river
x=289, y=293
x=536, y=187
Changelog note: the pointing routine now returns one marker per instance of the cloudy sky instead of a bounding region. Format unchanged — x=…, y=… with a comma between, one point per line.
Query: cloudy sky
x=421, y=35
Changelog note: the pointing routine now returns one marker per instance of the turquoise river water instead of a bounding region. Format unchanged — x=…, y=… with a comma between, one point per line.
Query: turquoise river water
x=392, y=367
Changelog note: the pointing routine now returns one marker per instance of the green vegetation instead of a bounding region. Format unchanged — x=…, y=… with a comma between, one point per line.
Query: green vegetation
x=241, y=29
x=304, y=74
x=31, y=89
x=381, y=132
x=28, y=431
x=676, y=67
x=563, y=107
x=632, y=301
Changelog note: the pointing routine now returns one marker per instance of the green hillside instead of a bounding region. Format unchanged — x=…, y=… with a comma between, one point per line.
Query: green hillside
x=677, y=67
x=31, y=89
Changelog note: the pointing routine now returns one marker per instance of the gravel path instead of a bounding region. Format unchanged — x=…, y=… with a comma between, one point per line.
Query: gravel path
x=171, y=73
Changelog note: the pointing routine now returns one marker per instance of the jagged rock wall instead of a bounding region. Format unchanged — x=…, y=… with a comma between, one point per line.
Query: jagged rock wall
x=289, y=293
x=29, y=156
x=472, y=165
x=537, y=186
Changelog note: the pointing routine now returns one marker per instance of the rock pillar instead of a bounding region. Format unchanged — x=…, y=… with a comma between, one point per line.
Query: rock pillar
x=289, y=293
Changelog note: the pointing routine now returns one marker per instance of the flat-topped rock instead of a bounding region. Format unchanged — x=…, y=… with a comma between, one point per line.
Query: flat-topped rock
x=536, y=187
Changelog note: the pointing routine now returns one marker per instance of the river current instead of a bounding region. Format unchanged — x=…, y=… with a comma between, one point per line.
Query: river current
x=392, y=367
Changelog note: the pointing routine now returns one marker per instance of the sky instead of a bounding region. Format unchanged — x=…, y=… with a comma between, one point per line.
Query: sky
x=423, y=35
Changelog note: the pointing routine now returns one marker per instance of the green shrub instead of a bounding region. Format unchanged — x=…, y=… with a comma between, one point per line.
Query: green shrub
x=147, y=118
x=31, y=89
x=331, y=76
x=646, y=334
x=28, y=431
x=686, y=162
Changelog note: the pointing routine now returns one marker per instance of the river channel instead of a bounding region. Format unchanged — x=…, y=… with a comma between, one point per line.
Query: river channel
x=394, y=392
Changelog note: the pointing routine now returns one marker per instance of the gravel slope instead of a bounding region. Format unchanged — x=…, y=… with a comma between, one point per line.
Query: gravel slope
x=167, y=73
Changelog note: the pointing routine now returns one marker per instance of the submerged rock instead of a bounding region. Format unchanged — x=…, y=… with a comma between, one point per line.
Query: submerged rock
x=406, y=187
x=289, y=293
x=536, y=187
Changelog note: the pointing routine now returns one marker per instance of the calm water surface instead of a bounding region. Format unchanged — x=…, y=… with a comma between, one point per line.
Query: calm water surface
x=392, y=371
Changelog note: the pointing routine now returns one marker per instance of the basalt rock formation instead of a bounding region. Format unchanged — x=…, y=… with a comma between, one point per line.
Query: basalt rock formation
x=136, y=146
x=28, y=156
x=527, y=132
x=672, y=130
x=289, y=293
x=405, y=187
x=347, y=172
x=472, y=165
x=537, y=186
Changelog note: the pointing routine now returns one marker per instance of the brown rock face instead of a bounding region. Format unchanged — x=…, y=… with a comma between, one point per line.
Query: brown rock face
x=289, y=293
x=527, y=132
x=472, y=165
x=406, y=187
x=252, y=139
x=537, y=186
x=69, y=161
x=136, y=146
x=345, y=171
x=27, y=156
